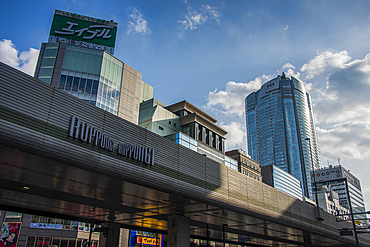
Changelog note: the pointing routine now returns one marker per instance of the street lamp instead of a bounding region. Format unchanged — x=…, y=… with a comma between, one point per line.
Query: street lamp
x=314, y=181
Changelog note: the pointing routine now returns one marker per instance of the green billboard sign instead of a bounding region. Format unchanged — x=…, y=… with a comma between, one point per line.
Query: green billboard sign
x=83, y=28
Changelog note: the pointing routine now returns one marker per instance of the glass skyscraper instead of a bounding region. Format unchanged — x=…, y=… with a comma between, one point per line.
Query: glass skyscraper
x=281, y=129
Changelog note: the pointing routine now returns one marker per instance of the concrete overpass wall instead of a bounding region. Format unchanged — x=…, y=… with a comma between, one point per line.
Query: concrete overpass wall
x=36, y=118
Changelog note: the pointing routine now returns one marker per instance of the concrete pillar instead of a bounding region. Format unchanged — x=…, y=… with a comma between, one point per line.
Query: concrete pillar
x=110, y=237
x=178, y=231
x=217, y=142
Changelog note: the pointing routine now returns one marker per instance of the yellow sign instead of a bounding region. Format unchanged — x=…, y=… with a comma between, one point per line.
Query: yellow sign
x=150, y=241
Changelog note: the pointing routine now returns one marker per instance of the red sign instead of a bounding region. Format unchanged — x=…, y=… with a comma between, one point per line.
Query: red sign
x=43, y=243
x=10, y=234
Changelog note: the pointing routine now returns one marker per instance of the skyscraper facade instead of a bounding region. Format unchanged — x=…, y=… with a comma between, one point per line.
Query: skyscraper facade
x=281, y=129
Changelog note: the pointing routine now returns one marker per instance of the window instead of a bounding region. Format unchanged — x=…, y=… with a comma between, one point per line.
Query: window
x=160, y=128
x=13, y=215
x=169, y=122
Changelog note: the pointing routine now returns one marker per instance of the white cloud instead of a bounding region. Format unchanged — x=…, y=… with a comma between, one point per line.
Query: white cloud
x=231, y=101
x=137, y=23
x=212, y=13
x=194, y=18
x=284, y=28
x=325, y=62
x=236, y=136
x=339, y=87
x=25, y=61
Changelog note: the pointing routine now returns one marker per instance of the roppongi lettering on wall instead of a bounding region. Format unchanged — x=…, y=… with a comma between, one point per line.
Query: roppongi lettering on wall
x=87, y=133
x=82, y=28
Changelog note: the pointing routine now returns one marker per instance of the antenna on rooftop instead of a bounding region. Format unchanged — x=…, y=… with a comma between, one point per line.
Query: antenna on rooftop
x=328, y=163
x=109, y=16
x=68, y=6
x=338, y=161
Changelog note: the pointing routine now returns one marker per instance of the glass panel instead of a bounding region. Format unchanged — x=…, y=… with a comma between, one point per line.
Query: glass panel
x=81, y=88
x=50, y=52
x=46, y=72
x=88, y=87
x=30, y=241
x=75, y=84
x=66, y=225
x=64, y=242
x=13, y=215
x=92, y=64
x=85, y=67
x=107, y=69
x=72, y=63
x=68, y=83
x=51, y=223
x=52, y=45
x=98, y=65
x=47, y=241
x=103, y=67
x=79, y=243
x=48, y=62
x=74, y=225
x=62, y=82
x=111, y=71
x=67, y=57
x=40, y=241
x=58, y=224
x=80, y=60
x=95, y=88
x=34, y=221
x=72, y=242
x=56, y=241
x=43, y=221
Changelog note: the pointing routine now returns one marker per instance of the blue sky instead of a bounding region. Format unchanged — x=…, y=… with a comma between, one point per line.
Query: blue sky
x=214, y=53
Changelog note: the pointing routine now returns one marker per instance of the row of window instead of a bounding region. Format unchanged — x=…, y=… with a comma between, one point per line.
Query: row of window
x=36, y=241
x=245, y=172
x=55, y=223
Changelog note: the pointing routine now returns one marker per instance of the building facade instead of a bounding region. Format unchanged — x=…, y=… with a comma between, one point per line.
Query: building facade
x=188, y=126
x=79, y=60
x=281, y=129
x=281, y=180
x=246, y=165
x=329, y=201
x=334, y=176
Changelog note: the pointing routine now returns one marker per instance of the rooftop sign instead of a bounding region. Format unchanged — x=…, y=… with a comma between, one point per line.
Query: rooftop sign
x=83, y=28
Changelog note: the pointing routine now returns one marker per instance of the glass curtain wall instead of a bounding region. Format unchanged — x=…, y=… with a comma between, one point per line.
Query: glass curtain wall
x=48, y=62
x=92, y=75
x=110, y=84
x=80, y=72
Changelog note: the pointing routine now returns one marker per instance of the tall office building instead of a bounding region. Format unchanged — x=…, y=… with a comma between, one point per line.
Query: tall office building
x=334, y=177
x=78, y=59
x=281, y=129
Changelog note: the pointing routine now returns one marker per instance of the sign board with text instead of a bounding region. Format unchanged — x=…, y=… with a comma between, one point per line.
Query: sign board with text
x=83, y=28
